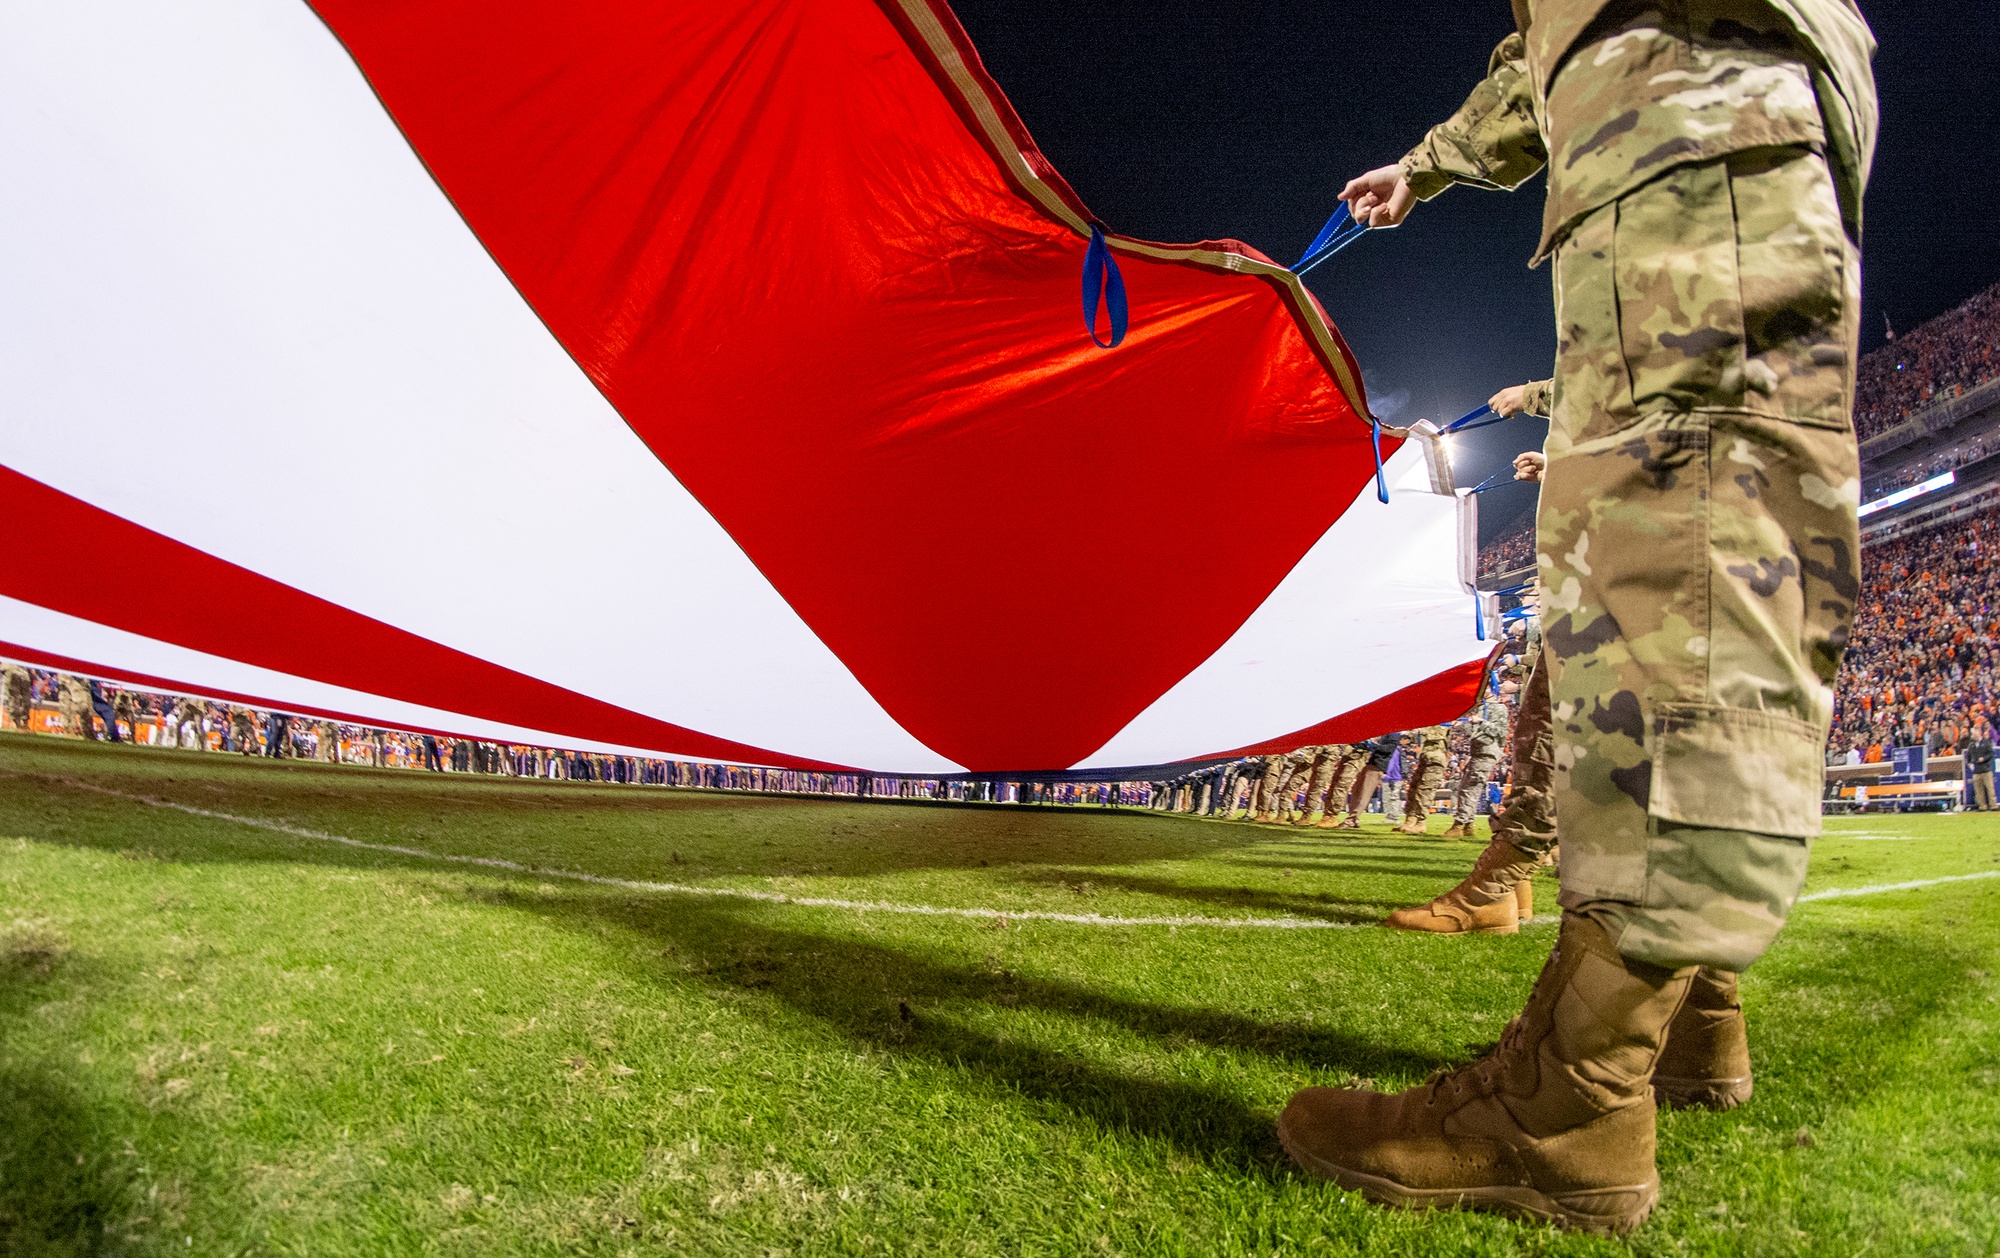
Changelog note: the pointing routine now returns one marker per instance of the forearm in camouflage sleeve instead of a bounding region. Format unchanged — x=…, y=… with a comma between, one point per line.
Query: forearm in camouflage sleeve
x=1536, y=399
x=1493, y=140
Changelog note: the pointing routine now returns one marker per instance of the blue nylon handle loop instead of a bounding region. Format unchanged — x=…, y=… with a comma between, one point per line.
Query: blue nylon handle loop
x=1484, y=423
x=1381, y=483
x=1478, y=618
x=1103, y=285
x=1340, y=242
x=1338, y=220
x=1487, y=484
x=1466, y=418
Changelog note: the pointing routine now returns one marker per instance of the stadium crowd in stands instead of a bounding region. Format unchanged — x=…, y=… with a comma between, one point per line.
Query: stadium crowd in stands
x=1938, y=359
x=1970, y=450
x=1924, y=662
x=1512, y=551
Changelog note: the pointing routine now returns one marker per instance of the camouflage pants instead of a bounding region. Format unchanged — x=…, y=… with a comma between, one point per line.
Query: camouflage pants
x=1346, y=776
x=1277, y=774
x=1308, y=770
x=1698, y=548
x=1331, y=777
x=1422, y=787
x=73, y=702
x=1480, y=759
x=1528, y=819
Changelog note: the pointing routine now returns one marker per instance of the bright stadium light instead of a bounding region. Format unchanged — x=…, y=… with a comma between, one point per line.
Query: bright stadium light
x=1902, y=496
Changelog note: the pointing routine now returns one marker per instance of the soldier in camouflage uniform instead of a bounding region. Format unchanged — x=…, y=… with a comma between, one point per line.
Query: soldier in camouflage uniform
x=1698, y=547
x=20, y=696
x=1346, y=772
x=1485, y=731
x=1277, y=773
x=73, y=702
x=1326, y=769
x=242, y=731
x=1424, y=768
x=1306, y=765
x=125, y=707
x=1499, y=892
x=189, y=723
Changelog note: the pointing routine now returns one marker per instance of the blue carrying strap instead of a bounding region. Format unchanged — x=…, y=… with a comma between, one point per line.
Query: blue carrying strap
x=1459, y=424
x=1103, y=285
x=1340, y=231
x=1381, y=482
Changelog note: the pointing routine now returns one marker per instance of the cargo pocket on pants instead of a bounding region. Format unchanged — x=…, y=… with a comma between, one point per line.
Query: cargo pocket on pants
x=1736, y=769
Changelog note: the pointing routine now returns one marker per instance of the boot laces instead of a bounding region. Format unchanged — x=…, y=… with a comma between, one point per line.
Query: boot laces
x=1456, y=1084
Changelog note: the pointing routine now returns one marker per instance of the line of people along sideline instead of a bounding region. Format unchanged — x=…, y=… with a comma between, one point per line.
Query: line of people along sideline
x=42, y=701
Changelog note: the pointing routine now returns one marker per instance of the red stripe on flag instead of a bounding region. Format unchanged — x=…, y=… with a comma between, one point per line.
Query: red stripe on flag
x=1432, y=701
x=69, y=556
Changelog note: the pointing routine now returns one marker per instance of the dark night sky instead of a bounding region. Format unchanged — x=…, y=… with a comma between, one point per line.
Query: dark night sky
x=1184, y=121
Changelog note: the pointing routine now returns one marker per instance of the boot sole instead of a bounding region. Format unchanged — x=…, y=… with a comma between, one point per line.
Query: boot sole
x=1596, y=1211
x=1514, y=929
x=1712, y=1094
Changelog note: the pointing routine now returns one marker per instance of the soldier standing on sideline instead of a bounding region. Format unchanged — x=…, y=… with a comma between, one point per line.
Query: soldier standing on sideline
x=73, y=702
x=1424, y=771
x=1277, y=773
x=1485, y=731
x=1374, y=762
x=242, y=731
x=1699, y=553
x=125, y=707
x=1346, y=770
x=20, y=686
x=188, y=712
x=1499, y=892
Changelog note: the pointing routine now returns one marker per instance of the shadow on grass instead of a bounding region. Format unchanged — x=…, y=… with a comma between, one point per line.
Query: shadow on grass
x=61, y=1191
x=1306, y=863
x=1325, y=907
x=905, y=1004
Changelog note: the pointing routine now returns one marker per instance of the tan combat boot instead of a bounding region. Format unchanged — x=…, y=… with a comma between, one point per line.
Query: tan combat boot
x=1411, y=827
x=1457, y=830
x=1488, y=902
x=1310, y=819
x=1556, y=1125
x=1333, y=821
x=1524, y=898
x=1707, y=1062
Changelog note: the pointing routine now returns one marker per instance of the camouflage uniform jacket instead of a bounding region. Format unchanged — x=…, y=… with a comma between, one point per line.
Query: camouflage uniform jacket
x=1760, y=73
x=1538, y=397
x=1431, y=741
x=1488, y=722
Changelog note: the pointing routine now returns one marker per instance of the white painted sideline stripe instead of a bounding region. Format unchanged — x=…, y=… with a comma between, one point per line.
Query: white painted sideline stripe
x=730, y=893
x=1837, y=893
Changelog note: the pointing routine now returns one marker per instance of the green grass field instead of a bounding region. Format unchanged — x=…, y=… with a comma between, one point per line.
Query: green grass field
x=221, y=1038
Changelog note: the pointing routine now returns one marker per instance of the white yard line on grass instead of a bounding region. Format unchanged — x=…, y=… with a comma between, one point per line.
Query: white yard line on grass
x=729, y=893
x=1841, y=893
x=865, y=906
